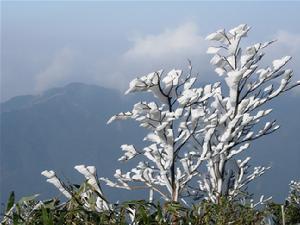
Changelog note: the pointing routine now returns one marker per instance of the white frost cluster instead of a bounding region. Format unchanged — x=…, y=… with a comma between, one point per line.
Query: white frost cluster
x=130, y=152
x=91, y=194
x=195, y=128
x=53, y=179
x=294, y=196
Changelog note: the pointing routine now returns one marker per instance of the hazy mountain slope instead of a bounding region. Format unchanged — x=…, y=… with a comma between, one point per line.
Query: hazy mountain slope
x=67, y=126
x=57, y=130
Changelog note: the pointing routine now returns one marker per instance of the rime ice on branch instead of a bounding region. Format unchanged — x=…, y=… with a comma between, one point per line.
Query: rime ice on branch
x=196, y=134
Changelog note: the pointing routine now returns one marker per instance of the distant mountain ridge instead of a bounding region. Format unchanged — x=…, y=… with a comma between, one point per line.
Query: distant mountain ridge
x=57, y=130
x=25, y=101
x=66, y=126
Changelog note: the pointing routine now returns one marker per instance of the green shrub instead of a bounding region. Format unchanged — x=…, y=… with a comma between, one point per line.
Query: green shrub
x=53, y=212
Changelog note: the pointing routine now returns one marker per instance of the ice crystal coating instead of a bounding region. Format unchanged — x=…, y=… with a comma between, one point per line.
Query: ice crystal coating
x=53, y=179
x=91, y=195
x=194, y=128
x=294, y=196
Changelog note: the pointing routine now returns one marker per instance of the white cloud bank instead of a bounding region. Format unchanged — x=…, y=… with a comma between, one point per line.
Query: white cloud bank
x=165, y=50
x=58, y=70
x=289, y=41
x=171, y=48
x=183, y=40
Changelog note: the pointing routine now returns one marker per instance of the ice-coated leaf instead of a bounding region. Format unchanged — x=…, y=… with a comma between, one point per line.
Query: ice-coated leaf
x=153, y=137
x=217, y=36
x=278, y=63
x=178, y=112
x=269, y=88
x=266, y=44
x=212, y=50
x=220, y=71
x=48, y=174
x=240, y=30
x=172, y=78
x=144, y=83
x=196, y=113
x=129, y=152
x=189, y=83
x=240, y=149
x=217, y=60
x=86, y=171
x=120, y=116
x=89, y=172
x=56, y=182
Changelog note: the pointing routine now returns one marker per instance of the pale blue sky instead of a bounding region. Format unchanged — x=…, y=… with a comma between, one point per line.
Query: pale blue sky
x=47, y=44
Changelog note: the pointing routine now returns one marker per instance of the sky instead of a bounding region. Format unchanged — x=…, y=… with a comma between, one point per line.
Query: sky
x=50, y=44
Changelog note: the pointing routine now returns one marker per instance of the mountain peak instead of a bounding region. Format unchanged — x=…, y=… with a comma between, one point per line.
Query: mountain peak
x=72, y=92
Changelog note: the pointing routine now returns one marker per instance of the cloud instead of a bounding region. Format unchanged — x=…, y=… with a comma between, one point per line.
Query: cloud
x=168, y=49
x=58, y=70
x=183, y=40
x=290, y=41
x=289, y=44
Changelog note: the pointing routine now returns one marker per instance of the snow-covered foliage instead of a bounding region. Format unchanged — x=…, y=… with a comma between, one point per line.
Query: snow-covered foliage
x=294, y=196
x=91, y=194
x=24, y=207
x=197, y=133
x=53, y=179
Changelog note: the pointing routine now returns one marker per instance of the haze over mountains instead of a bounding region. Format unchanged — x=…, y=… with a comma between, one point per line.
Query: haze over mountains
x=64, y=127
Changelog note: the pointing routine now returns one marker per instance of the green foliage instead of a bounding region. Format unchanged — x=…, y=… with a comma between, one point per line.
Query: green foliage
x=11, y=201
x=79, y=210
x=291, y=211
x=52, y=212
x=228, y=212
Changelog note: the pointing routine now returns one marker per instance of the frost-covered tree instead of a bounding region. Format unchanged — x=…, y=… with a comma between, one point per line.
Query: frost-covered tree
x=196, y=134
x=175, y=122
